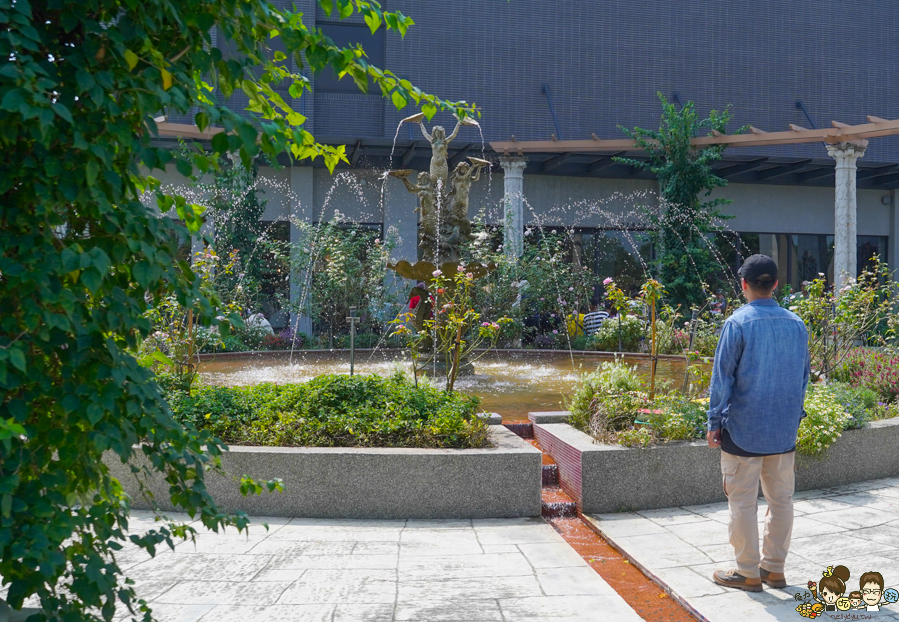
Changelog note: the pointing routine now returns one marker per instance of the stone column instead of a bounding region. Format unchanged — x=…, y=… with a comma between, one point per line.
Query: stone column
x=845, y=206
x=513, y=200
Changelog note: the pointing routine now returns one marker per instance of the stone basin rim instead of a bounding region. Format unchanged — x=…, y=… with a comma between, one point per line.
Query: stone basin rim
x=531, y=353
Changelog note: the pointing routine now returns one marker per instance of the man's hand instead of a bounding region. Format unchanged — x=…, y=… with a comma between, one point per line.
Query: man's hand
x=714, y=438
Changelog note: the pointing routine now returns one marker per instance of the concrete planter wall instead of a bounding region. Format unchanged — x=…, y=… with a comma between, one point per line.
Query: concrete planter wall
x=320, y=482
x=611, y=478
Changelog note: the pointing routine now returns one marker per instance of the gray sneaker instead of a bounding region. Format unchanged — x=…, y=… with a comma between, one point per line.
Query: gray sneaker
x=732, y=578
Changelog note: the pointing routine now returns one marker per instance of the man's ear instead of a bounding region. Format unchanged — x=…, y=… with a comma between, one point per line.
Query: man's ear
x=744, y=284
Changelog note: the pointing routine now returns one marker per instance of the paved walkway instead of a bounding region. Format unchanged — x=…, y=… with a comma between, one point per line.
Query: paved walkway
x=502, y=570
x=856, y=526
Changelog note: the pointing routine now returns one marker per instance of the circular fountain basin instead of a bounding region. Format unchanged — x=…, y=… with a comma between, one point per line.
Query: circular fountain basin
x=510, y=382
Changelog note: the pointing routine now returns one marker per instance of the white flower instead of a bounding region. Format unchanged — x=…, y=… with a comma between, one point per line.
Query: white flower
x=436, y=273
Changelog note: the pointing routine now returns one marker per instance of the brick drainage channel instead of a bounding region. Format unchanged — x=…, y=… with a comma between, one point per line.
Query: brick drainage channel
x=644, y=596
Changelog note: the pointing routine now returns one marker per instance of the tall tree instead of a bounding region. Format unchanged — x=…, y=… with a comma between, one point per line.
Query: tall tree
x=686, y=263
x=80, y=255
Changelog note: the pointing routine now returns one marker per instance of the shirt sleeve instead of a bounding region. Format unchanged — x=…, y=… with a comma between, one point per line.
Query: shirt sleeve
x=808, y=371
x=727, y=357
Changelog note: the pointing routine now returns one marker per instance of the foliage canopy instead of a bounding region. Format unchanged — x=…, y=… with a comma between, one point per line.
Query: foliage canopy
x=81, y=256
x=686, y=261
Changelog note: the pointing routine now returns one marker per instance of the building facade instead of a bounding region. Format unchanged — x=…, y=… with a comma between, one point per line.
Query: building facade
x=574, y=69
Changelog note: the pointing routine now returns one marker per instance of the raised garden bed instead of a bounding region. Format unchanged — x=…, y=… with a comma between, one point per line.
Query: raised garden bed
x=612, y=478
x=502, y=481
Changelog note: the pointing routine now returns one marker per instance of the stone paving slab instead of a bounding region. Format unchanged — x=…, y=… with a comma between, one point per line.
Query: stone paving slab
x=323, y=570
x=855, y=525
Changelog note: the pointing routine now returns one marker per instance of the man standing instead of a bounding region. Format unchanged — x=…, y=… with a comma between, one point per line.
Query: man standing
x=758, y=388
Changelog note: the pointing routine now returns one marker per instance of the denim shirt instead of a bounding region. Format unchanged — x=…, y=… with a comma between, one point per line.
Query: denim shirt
x=759, y=378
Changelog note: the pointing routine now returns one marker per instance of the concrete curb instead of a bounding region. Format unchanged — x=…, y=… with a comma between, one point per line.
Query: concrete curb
x=552, y=416
x=502, y=481
x=611, y=478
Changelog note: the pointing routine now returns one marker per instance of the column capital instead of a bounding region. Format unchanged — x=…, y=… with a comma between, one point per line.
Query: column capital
x=854, y=149
x=513, y=165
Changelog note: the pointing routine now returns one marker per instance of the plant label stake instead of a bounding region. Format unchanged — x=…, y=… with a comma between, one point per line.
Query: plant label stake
x=352, y=319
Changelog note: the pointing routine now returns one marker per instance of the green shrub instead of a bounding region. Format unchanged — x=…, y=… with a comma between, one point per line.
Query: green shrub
x=635, y=437
x=860, y=403
x=608, y=398
x=826, y=419
x=335, y=411
x=680, y=419
x=606, y=338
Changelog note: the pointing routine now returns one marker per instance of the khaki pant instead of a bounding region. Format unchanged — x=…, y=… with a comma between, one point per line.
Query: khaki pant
x=741, y=477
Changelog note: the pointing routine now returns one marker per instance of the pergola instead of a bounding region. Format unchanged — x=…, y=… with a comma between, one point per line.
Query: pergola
x=594, y=158
x=845, y=144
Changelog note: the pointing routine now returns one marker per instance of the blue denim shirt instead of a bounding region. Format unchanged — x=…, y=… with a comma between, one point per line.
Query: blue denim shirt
x=759, y=379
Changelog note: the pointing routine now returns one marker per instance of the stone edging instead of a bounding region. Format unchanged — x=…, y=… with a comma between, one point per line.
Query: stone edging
x=610, y=478
x=502, y=481
x=210, y=356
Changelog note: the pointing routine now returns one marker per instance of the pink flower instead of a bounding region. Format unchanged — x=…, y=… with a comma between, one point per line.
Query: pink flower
x=608, y=280
x=436, y=273
x=555, y=332
x=485, y=323
x=571, y=289
x=470, y=275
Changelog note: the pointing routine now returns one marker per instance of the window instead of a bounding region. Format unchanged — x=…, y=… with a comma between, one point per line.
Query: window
x=802, y=257
x=343, y=35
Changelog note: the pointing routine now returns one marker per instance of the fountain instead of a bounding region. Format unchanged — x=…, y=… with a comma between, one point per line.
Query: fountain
x=443, y=226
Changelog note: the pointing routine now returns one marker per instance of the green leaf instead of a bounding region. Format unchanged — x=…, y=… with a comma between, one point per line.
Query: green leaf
x=17, y=358
x=6, y=505
x=429, y=109
x=184, y=167
x=131, y=58
x=327, y=6
x=162, y=358
x=374, y=21
x=13, y=100
x=398, y=99
x=220, y=142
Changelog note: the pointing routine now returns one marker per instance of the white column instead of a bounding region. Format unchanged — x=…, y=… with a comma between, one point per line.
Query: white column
x=300, y=210
x=845, y=207
x=513, y=200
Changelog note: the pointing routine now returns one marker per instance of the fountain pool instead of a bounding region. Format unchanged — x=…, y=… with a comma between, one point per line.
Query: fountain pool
x=512, y=383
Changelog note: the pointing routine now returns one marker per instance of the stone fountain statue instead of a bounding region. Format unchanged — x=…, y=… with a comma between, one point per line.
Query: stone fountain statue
x=442, y=198
x=443, y=215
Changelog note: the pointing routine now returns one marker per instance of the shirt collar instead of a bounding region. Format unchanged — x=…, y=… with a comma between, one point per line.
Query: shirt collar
x=765, y=302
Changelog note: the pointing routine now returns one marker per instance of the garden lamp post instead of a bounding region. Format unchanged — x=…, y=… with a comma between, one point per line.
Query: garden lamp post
x=352, y=319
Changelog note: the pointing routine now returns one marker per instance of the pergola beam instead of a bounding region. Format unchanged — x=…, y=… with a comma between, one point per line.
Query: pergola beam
x=781, y=170
x=603, y=163
x=407, y=156
x=841, y=133
x=459, y=155
x=555, y=162
x=814, y=174
x=737, y=169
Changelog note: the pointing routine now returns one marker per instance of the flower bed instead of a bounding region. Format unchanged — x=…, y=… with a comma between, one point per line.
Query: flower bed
x=334, y=411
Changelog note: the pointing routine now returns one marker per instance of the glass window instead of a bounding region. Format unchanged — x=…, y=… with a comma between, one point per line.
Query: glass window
x=870, y=246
